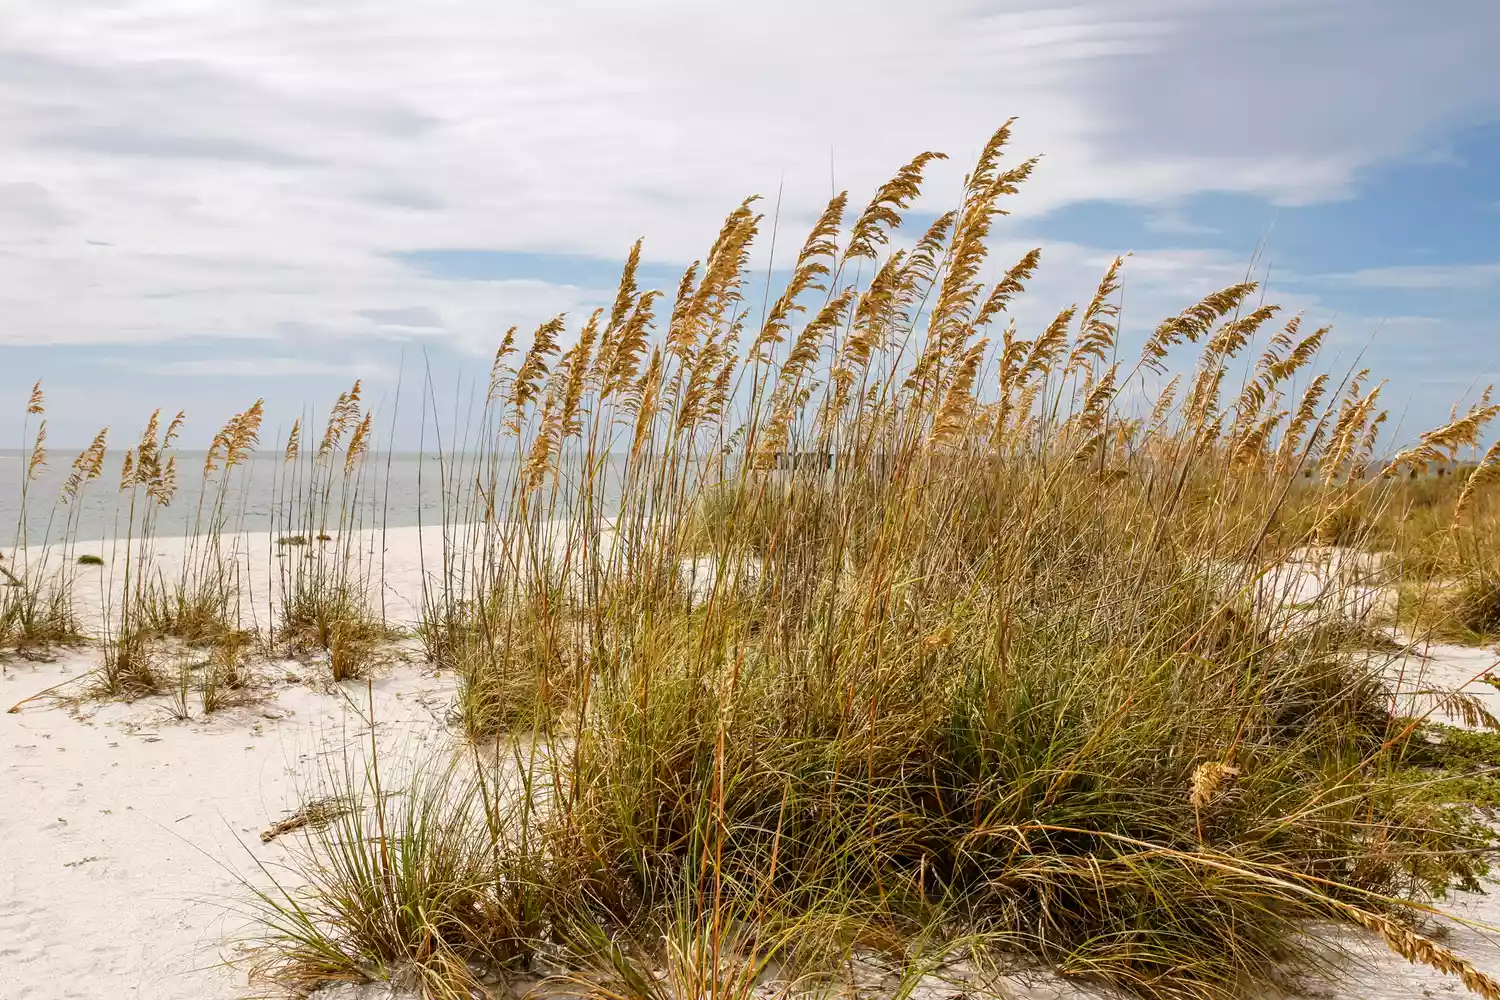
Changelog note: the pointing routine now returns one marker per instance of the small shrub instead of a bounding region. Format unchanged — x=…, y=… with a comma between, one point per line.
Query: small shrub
x=514, y=670
x=182, y=684
x=313, y=618
x=351, y=649
x=1463, y=604
x=199, y=613
x=1474, y=608
x=400, y=886
x=90, y=560
x=130, y=665
x=34, y=618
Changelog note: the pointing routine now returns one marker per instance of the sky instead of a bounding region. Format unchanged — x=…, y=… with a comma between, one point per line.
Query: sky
x=203, y=202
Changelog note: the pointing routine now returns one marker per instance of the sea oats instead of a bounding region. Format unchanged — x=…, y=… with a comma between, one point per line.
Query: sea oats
x=38, y=459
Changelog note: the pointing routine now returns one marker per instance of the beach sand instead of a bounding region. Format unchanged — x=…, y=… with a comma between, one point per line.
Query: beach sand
x=126, y=833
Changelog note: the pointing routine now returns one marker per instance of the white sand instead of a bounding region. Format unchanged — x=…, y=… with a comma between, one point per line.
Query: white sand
x=125, y=833
x=403, y=558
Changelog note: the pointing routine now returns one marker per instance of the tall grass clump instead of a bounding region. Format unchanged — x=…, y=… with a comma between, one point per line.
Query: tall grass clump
x=1449, y=556
x=202, y=606
x=866, y=608
x=406, y=881
x=153, y=600
x=325, y=588
x=148, y=484
x=36, y=595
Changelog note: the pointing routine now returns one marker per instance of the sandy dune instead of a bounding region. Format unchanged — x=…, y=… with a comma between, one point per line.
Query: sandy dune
x=126, y=832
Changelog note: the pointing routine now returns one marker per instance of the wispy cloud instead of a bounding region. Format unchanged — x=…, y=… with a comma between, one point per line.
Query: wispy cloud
x=407, y=318
x=1401, y=323
x=274, y=164
x=1174, y=223
x=1468, y=380
x=166, y=145
x=269, y=367
x=1455, y=277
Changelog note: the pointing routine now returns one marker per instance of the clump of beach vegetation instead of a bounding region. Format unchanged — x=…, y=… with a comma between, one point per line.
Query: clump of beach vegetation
x=844, y=617
x=867, y=621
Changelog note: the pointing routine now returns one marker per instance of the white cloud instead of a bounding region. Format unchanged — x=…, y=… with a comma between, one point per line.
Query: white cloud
x=248, y=165
x=28, y=207
x=264, y=367
x=1173, y=223
x=1453, y=277
x=1410, y=324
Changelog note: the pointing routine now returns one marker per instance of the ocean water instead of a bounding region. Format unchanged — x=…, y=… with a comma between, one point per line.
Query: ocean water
x=395, y=490
x=391, y=490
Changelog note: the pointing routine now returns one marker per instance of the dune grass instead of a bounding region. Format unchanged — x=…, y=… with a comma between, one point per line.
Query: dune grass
x=36, y=603
x=324, y=602
x=859, y=623
x=36, y=616
x=846, y=627
x=199, y=600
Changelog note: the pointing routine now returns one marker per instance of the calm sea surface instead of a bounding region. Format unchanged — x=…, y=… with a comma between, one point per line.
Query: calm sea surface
x=392, y=490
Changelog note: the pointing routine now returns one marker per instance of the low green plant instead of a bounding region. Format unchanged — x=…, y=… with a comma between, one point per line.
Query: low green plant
x=183, y=683
x=510, y=660
x=199, y=612
x=131, y=665
x=408, y=886
x=35, y=617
